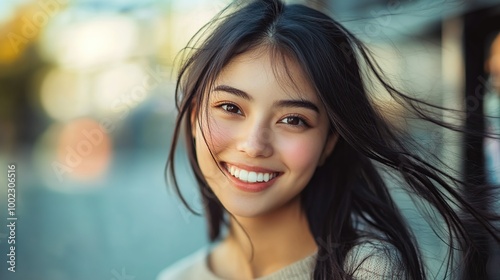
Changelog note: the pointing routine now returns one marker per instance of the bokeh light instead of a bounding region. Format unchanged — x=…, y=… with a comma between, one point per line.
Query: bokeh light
x=83, y=149
x=64, y=94
x=94, y=41
x=74, y=155
x=120, y=84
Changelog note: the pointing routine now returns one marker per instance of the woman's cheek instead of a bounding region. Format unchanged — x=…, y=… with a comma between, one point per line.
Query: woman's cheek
x=300, y=153
x=214, y=143
x=220, y=134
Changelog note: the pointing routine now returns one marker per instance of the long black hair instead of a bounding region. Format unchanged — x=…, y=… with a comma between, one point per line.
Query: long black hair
x=348, y=188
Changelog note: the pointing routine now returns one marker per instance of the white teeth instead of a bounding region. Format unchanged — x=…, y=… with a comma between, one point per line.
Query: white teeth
x=250, y=176
x=260, y=177
x=243, y=175
x=266, y=177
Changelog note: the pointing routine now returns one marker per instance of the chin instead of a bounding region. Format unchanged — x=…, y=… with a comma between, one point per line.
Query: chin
x=246, y=208
x=253, y=207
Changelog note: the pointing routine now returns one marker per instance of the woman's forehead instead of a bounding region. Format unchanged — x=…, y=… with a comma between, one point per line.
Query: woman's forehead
x=265, y=67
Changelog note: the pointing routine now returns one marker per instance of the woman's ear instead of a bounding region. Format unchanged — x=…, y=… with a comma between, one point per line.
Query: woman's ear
x=331, y=141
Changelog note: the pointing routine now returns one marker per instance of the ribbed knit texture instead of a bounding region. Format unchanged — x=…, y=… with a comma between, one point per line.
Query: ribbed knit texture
x=369, y=260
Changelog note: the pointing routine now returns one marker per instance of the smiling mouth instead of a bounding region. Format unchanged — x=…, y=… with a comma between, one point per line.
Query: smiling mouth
x=249, y=176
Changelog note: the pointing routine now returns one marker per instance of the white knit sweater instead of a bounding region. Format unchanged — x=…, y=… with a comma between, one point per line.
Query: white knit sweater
x=371, y=260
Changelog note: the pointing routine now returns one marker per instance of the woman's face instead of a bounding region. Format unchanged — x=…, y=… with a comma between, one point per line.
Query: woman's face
x=268, y=133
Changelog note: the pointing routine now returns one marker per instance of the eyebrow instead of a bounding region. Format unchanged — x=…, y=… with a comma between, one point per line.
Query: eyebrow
x=281, y=103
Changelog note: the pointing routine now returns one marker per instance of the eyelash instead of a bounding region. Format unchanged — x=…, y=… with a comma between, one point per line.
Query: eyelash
x=304, y=123
x=301, y=119
x=226, y=111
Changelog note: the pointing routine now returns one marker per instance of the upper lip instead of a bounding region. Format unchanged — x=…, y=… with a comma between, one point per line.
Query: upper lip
x=251, y=168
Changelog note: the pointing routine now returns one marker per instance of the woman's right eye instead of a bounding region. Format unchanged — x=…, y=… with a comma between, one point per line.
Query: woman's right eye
x=231, y=108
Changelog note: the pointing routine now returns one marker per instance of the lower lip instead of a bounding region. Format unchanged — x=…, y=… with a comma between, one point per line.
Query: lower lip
x=250, y=187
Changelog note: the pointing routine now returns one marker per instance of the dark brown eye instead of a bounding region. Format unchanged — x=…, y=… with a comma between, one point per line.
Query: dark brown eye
x=231, y=108
x=295, y=121
x=292, y=120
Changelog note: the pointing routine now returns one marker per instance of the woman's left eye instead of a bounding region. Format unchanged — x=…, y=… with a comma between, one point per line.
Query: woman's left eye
x=294, y=121
x=230, y=108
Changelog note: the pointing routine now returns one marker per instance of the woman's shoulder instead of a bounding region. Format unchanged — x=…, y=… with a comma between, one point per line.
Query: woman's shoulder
x=374, y=259
x=191, y=267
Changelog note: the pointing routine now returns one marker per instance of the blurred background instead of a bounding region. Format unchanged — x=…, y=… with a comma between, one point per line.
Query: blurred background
x=87, y=112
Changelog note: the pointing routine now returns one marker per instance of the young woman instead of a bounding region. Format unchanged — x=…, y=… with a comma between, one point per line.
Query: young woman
x=286, y=146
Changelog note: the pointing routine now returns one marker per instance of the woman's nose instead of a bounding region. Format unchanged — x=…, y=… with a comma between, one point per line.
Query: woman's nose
x=257, y=142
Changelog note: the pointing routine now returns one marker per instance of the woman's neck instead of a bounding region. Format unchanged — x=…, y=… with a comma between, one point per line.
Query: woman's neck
x=277, y=239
